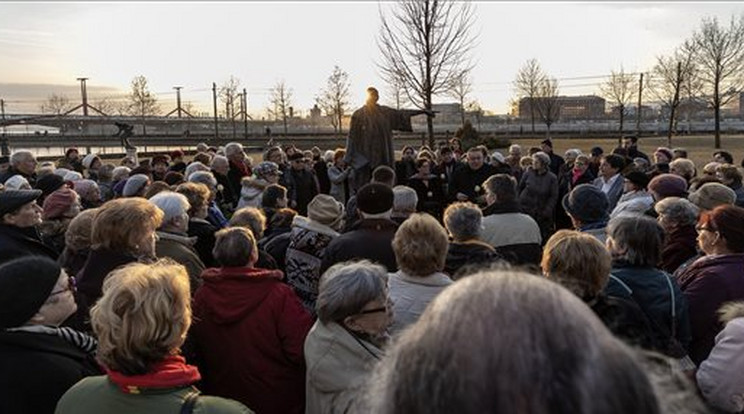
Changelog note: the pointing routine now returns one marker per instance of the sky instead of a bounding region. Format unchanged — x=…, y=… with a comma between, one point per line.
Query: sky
x=44, y=47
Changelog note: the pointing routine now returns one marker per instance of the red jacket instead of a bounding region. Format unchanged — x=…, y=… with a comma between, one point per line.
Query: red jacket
x=249, y=330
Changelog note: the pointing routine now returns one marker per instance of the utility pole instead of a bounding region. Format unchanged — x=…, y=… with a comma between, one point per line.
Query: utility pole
x=214, y=103
x=84, y=93
x=245, y=113
x=640, y=113
x=178, y=99
x=2, y=108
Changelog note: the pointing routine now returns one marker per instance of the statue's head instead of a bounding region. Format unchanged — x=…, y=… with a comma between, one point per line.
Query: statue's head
x=372, y=96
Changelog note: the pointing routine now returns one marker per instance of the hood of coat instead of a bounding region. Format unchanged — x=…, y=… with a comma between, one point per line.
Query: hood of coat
x=227, y=294
x=731, y=311
x=258, y=184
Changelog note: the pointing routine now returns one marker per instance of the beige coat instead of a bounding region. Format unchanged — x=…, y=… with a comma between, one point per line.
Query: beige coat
x=337, y=367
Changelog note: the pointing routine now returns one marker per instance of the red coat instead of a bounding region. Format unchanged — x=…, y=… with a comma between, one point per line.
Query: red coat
x=249, y=330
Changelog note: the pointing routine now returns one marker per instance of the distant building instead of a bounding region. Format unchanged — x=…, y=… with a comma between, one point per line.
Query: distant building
x=569, y=107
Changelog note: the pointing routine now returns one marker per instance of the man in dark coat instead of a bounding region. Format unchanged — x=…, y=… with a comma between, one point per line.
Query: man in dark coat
x=20, y=217
x=370, y=140
x=370, y=238
x=302, y=186
x=556, y=161
x=466, y=183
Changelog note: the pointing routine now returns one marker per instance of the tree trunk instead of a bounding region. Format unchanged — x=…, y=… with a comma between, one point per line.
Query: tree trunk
x=672, y=113
x=717, y=111
x=622, y=119
x=532, y=113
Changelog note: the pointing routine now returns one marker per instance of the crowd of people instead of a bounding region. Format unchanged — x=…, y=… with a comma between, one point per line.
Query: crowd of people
x=455, y=280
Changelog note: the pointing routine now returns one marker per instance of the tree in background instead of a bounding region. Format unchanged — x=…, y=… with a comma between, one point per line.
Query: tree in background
x=426, y=44
x=280, y=103
x=142, y=102
x=620, y=90
x=527, y=84
x=546, y=103
x=397, y=93
x=56, y=104
x=671, y=74
x=719, y=54
x=334, y=98
x=460, y=89
x=228, y=94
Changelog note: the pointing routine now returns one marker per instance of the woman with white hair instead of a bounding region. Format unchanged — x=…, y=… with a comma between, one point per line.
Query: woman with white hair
x=346, y=341
x=405, y=202
x=466, y=251
x=141, y=323
x=678, y=217
x=173, y=241
x=538, y=193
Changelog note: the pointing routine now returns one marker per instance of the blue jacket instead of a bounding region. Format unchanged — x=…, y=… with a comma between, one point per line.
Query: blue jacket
x=650, y=289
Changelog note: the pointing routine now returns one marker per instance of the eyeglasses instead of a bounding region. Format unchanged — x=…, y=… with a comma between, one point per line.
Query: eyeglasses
x=375, y=310
x=71, y=286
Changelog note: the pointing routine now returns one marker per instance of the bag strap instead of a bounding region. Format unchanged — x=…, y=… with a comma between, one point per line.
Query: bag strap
x=189, y=402
x=672, y=301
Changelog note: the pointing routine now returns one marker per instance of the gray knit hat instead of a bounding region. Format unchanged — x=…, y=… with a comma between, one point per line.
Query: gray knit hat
x=712, y=195
x=134, y=185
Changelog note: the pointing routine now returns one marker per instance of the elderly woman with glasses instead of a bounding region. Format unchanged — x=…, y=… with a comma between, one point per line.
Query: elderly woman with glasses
x=346, y=341
x=715, y=278
x=39, y=360
x=141, y=323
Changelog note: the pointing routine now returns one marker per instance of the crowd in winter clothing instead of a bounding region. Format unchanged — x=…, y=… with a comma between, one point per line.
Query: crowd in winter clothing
x=283, y=286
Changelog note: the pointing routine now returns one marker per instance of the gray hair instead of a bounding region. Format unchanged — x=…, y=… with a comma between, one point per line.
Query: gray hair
x=202, y=147
x=20, y=156
x=635, y=239
x=203, y=177
x=251, y=218
x=678, y=210
x=346, y=287
x=219, y=159
x=120, y=173
x=573, y=152
x=194, y=167
x=543, y=157
x=73, y=176
x=172, y=205
x=547, y=336
x=405, y=199
x=463, y=221
x=515, y=147
x=106, y=172
x=233, y=148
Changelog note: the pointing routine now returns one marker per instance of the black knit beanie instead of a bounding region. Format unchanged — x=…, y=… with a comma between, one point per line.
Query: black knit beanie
x=25, y=284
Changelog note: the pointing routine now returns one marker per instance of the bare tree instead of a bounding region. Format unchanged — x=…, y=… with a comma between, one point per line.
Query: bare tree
x=142, y=102
x=671, y=74
x=426, y=44
x=547, y=102
x=620, y=90
x=397, y=92
x=719, y=53
x=56, y=104
x=527, y=84
x=228, y=94
x=334, y=98
x=461, y=89
x=281, y=103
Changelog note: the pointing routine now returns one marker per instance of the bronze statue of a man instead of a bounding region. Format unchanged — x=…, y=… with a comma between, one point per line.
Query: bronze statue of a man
x=370, y=140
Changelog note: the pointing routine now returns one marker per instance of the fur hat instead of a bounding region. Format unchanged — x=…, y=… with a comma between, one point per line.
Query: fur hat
x=159, y=159
x=587, y=203
x=17, y=182
x=12, y=200
x=266, y=168
x=668, y=185
x=25, y=284
x=134, y=185
x=49, y=184
x=712, y=195
x=69, y=150
x=89, y=159
x=83, y=187
x=666, y=152
x=638, y=178
x=325, y=210
x=58, y=203
x=374, y=198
